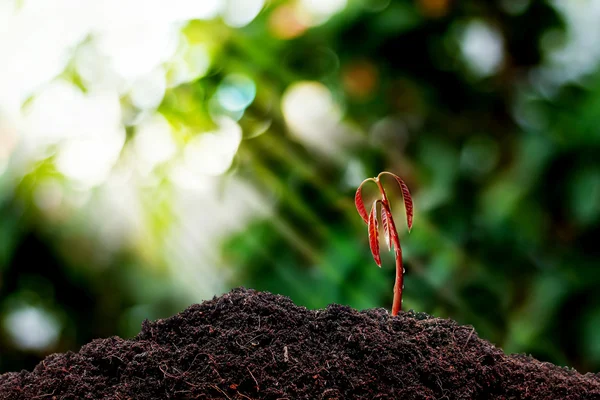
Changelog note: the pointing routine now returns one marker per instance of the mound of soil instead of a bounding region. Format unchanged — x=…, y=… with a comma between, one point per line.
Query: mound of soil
x=253, y=345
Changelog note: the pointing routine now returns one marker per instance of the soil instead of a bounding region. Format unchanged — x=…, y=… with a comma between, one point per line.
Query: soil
x=255, y=345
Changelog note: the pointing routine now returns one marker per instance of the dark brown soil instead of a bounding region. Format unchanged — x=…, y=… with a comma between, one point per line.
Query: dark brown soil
x=253, y=345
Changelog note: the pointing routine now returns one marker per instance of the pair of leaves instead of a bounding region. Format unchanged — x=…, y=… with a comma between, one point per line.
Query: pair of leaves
x=408, y=203
x=387, y=220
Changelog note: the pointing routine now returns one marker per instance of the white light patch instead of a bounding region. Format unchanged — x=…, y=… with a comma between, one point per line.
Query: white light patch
x=482, y=48
x=32, y=328
x=324, y=7
x=211, y=153
x=94, y=70
x=85, y=128
x=36, y=39
x=87, y=161
x=309, y=109
x=134, y=51
x=193, y=9
x=53, y=115
x=8, y=140
x=239, y=13
x=321, y=10
x=192, y=62
x=579, y=54
x=116, y=212
x=147, y=92
x=153, y=141
x=185, y=179
x=314, y=119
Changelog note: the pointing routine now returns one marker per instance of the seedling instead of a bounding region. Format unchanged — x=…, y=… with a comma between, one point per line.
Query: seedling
x=389, y=229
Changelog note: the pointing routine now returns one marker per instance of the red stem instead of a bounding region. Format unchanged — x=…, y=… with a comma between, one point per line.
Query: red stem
x=399, y=284
x=381, y=190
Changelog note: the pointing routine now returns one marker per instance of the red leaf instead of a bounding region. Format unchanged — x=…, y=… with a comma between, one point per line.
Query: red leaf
x=360, y=205
x=386, y=224
x=408, y=203
x=374, y=233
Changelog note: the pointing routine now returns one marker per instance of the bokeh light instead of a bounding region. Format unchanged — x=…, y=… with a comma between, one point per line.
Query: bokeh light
x=310, y=112
x=482, y=47
x=32, y=328
x=211, y=153
x=238, y=13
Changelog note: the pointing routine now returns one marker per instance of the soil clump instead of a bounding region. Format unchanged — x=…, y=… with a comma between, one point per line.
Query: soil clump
x=256, y=345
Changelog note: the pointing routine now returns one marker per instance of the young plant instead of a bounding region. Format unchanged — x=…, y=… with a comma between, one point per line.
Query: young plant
x=389, y=229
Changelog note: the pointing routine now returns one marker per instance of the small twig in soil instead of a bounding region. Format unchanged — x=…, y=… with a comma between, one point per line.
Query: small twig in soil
x=217, y=388
x=469, y=338
x=244, y=396
x=255, y=381
x=44, y=395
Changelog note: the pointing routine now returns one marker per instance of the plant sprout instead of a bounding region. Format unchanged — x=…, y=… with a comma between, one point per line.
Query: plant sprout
x=389, y=229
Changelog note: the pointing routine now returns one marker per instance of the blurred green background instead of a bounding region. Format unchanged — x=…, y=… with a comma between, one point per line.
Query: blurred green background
x=154, y=155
